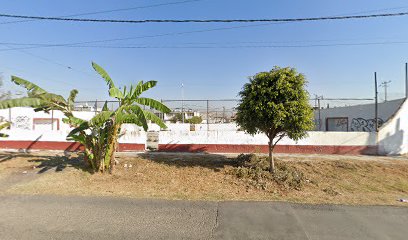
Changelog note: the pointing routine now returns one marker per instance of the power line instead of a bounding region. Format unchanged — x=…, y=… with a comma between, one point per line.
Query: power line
x=381, y=15
x=53, y=62
x=28, y=44
x=151, y=36
x=113, y=10
x=212, y=46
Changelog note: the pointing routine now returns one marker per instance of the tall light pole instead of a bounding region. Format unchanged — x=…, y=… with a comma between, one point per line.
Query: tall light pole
x=182, y=101
x=376, y=101
x=385, y=86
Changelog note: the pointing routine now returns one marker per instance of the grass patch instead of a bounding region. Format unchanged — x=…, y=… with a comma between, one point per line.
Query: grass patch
x=255, y=170
x=300, y=178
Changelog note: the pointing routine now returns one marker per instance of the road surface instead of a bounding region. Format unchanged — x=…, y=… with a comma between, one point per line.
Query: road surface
x=62, y=217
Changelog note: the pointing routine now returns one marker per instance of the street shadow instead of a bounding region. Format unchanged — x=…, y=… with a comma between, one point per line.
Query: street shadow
x=4, y=157
x=30, y=146
x=211, y=161
x=59, y=163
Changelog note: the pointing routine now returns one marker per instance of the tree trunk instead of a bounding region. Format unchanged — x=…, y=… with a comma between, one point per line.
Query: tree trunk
x=271, y=161
x=110, y=152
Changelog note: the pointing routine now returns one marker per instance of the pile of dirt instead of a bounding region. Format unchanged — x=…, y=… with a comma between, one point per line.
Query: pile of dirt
x=255, y=170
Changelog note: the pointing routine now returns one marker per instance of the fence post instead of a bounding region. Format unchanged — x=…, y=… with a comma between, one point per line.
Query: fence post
x=376, y=102
x=320, y=119
x=96, y=106
x=52, y=120
x=208, y=118
x=10, y=117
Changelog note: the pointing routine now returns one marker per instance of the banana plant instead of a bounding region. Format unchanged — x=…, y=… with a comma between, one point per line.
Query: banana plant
x=40, y=99
x=2, y=126
x=129, y=111
x=100, y=134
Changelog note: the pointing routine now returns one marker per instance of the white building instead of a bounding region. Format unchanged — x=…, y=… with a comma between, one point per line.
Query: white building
x=357, y=118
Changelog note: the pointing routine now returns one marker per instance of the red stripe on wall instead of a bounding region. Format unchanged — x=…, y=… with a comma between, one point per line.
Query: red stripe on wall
x=230, y=148
x=41, y=145
x=66, y=146
x=211, y=148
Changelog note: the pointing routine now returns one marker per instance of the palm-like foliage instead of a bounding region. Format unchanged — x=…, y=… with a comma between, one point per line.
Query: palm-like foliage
x=2, y=126
x=40, y=99
x=100, y=134
x=102, y=131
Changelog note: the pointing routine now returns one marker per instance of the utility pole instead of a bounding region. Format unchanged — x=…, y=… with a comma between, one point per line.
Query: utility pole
x=208, y=116
x=385, y=86
x=223, y=114
x=376, y=102
x=406, y=80
x=318, y=98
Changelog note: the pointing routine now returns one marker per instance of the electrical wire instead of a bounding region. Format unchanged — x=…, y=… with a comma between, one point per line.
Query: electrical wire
x=381, y=15
x=112, y=10
x=214, y=46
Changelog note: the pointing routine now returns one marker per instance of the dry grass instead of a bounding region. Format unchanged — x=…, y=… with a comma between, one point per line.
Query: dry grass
x=328, y=179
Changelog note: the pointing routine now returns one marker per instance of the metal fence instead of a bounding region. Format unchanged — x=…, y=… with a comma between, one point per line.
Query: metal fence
x=210, y=111
x=218, y=111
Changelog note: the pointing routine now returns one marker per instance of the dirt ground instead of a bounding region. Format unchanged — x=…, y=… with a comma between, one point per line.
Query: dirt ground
x=338, y=179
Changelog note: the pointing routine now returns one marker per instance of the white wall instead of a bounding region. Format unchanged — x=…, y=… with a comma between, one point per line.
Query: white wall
x=392, y=136
x=363, y=111
x=239, y=137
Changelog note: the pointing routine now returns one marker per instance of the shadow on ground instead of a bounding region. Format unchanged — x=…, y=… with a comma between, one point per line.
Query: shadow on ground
x=7, y=157
x=214, y=162
x=44, y=163
x=59, y=163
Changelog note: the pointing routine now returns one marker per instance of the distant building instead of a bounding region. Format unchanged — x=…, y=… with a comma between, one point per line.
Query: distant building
x=86, y=108
x=188, y=114
x=357, y=118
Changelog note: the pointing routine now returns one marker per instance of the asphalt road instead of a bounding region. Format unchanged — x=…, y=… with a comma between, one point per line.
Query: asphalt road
x=58, y=217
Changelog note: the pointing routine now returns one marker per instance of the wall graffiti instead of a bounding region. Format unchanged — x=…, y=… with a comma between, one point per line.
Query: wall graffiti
x=365, y=125
x=337, y=124
x=22, y=122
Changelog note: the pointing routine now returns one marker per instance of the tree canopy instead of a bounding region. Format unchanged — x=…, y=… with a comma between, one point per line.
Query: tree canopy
x=275, y=103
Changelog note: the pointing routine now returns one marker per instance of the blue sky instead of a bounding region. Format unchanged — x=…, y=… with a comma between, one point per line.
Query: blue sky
x=214, y=73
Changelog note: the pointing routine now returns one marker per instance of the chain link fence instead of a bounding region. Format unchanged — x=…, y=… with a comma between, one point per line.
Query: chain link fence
x=330, y=114
x=209, y=111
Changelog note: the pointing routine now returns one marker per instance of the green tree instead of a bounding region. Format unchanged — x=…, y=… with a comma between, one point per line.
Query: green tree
x=178, y=117
x=195, y=120
x=275, y=103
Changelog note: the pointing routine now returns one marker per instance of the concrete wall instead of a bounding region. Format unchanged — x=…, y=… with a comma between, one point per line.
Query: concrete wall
x=393, y=135
x=391, y=139
x=359, y=117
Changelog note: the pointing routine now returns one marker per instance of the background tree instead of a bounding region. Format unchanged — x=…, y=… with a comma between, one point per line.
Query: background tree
x=275, y=103
x=178, y=117
x=195, y=120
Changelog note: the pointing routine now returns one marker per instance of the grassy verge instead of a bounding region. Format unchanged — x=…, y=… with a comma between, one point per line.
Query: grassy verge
x=309, y=179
